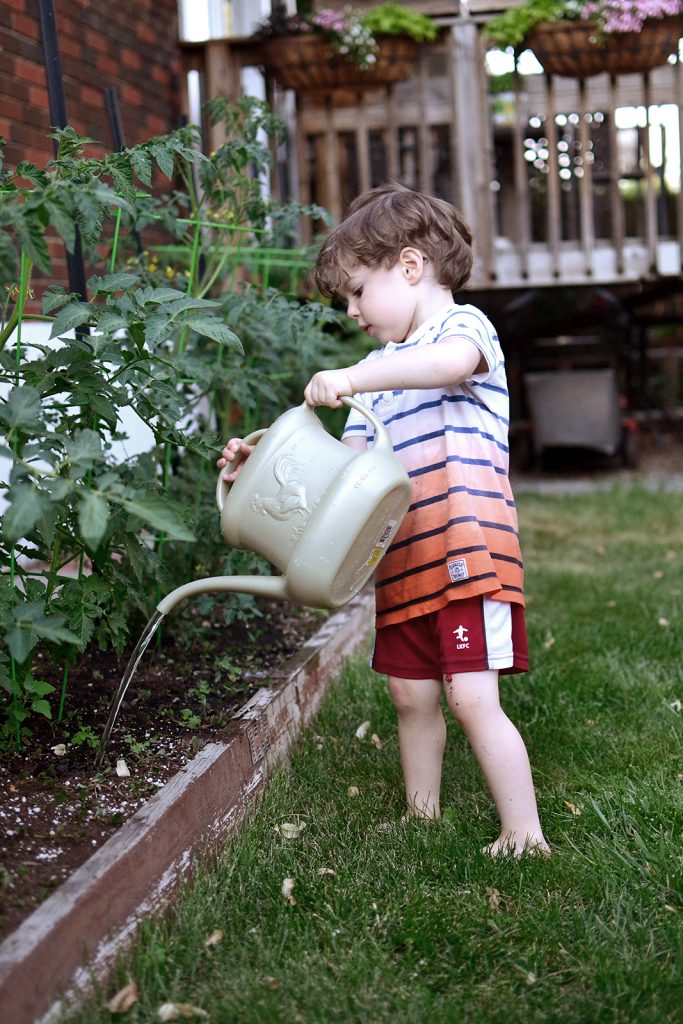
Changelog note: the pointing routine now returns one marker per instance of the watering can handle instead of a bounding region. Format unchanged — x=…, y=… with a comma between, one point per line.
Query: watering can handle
x=382, y=438
x=222, y=486
x=382, y=443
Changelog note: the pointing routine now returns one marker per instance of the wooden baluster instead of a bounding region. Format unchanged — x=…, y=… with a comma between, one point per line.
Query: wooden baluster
x=554, y=211
x=650, y=194
x=617, y=228
x=586, y=183
x=521, y=176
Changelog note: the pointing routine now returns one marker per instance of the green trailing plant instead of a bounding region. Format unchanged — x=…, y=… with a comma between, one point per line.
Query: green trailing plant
x=90, y=542
x=609, y=16
x=392, y=19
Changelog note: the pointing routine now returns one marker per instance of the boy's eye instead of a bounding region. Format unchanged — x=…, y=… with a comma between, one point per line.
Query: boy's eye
x=357, y=292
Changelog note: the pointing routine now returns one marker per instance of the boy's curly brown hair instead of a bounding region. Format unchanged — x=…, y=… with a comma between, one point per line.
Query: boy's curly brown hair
x=382, y=222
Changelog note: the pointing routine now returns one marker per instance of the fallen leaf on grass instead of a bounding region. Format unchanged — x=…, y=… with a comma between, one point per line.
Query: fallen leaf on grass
x=576, y=811
x=657, y=574
x=599, y=550
x=180, y=1011
x=671, y=556
x=376, y=741
x=288, y=890
x=675, y=706
x=353, y=791
x=124, y=999
x=273, y=983
x=213, y=939
x=325, y=871
x=549, y=641
x=122, y=769
x=361, y=731
x=664, y=622
x=493, y=898
x=290, y=829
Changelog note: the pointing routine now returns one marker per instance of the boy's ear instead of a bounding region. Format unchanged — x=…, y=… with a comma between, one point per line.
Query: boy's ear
x=412, y=263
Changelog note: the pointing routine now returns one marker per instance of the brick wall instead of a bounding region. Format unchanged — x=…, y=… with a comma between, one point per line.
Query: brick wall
x=130, y=44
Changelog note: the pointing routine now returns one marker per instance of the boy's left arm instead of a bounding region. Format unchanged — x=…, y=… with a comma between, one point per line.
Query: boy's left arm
x=432, y=366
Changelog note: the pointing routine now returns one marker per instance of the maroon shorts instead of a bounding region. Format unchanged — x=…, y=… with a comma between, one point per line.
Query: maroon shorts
x=472, y=635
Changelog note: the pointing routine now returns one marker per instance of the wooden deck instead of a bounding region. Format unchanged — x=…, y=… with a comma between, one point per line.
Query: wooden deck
x=563, y=182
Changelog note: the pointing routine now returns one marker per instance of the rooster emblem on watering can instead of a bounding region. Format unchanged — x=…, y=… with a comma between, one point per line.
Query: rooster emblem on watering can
x=291, y=496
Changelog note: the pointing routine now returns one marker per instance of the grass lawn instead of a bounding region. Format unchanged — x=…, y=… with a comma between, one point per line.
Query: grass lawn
x=413, y=923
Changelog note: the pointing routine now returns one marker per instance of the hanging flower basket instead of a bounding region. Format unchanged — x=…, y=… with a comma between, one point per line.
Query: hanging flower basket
x=577, y=49
x=307, y=63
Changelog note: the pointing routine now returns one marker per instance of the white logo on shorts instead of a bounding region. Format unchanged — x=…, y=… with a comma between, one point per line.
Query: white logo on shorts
x=463, y=640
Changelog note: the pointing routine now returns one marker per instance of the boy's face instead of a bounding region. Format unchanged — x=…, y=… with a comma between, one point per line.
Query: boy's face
x=383, y=301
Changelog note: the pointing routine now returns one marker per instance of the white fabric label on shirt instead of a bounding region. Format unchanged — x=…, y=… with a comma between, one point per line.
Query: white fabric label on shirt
x=457, y=570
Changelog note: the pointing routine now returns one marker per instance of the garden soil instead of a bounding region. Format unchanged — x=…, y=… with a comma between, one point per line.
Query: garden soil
x=56, y=809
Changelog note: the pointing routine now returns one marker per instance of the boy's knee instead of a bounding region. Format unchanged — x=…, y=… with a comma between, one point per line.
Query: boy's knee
x=413, y=694
x=467, y=704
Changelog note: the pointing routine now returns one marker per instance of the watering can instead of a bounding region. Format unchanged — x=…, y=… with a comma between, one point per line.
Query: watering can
x=320, y=512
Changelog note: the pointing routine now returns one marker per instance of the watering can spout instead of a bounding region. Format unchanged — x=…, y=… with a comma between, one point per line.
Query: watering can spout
x=261, y=586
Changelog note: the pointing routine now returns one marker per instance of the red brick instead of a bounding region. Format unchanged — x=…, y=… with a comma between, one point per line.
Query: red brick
x=29, y=72
x=107, y=64
x=25, y=24
x=131, y=94
x=96, y=41
x=38, y=97
x=147, y=34
x=70, y=47
x=131, y=59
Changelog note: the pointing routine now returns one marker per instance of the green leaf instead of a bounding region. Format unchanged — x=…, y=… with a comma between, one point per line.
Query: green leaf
x=190, y=302
x=30, y=624
x=22, y=409
x=83, y=450
x=61, y=217
x=38, y=686
x=102, y=407
x=217, y=331
x=93, y=516
x=157, y=512
x=41, y=707
x=158, y=328
x=142, y=165
x=163, y=158
x=157, y=295
x=74, y=315
x=119, y=282
x=30, y=172
x=53, y=298
x=28, y=504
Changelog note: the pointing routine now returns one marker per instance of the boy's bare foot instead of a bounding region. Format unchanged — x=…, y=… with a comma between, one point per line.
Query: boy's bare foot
x=420, y=815
x=509, y=844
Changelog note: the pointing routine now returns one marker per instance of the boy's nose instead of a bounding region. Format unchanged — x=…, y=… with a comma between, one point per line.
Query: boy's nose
x=352, y=309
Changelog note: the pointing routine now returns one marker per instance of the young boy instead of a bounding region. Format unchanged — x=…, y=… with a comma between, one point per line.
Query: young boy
x=450, y=606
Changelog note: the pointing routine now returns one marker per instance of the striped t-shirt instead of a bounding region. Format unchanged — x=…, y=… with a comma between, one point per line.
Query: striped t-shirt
x=459, y=537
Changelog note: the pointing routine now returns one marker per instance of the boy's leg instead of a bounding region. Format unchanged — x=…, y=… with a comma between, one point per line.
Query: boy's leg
x=474, y=701
x=421, y=739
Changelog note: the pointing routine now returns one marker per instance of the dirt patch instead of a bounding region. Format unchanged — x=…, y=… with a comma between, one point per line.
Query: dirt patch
x=56, y=809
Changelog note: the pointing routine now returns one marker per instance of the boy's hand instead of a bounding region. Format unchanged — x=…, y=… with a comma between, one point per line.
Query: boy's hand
x=327, y=387
x=234, y=448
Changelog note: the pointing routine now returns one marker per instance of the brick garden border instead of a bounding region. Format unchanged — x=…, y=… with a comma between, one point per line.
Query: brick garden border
x=76, y=934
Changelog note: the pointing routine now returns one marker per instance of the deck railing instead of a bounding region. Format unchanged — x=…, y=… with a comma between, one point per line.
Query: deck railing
x=562, y=181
